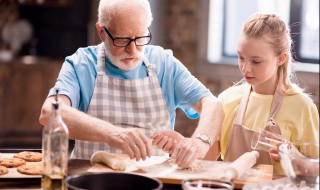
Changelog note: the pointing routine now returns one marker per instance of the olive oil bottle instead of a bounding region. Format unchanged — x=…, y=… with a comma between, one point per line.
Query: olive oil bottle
x=55, y=138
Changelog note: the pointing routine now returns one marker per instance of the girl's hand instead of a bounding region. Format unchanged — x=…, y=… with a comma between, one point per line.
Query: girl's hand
x=274, y=155
x=166, y=140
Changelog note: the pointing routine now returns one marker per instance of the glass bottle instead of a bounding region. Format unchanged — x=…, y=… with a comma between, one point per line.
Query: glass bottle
x=55, y=139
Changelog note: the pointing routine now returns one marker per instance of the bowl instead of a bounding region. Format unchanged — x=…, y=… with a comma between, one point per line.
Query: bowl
x=206, y=184
x=300, y=163
x=112, y=181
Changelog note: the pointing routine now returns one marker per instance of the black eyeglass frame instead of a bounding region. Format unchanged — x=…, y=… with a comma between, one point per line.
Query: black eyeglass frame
x=127, y=38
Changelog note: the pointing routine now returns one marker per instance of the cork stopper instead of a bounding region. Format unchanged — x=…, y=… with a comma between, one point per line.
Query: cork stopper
x=55, y=104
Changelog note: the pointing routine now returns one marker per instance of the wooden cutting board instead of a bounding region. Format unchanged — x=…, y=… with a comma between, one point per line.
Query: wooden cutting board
x=159, y=168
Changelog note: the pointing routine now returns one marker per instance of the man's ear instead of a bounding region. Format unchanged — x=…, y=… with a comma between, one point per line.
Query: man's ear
x=282, y=58
x=100, y=31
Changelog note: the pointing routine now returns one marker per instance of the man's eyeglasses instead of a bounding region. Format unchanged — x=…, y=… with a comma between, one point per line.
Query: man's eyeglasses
x=125, y=41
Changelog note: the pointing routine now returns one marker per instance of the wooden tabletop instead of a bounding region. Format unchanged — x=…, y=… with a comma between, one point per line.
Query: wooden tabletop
x=259, y=173
x=76, y=166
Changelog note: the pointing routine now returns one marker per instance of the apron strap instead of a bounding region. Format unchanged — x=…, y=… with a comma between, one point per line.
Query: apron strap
x=150, y=67
x=101, y=58
x=275, y=106
x=276, y=102
x=277, y=97
x=243, y=106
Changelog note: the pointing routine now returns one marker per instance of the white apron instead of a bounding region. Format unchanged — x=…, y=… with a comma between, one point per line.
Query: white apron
x=240, y=136
x=125, y=103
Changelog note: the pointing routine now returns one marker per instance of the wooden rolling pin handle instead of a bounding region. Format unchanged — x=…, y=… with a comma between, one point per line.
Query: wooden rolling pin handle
x=241, y=165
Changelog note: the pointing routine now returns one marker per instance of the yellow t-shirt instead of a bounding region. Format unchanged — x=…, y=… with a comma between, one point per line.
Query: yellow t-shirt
x=298, y=116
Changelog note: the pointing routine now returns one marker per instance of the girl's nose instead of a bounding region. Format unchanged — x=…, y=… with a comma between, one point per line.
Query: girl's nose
x=245, y=68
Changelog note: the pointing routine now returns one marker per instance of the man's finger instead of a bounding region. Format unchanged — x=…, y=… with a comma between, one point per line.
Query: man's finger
x=157, y=139
x=154, y=136
x=169, y=145
x=147, y=145
x=163, y=142
x=127, y=149
x=140, y=148
x=137, y=152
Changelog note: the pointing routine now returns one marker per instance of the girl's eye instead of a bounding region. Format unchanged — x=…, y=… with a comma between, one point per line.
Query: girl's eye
x=256, y=62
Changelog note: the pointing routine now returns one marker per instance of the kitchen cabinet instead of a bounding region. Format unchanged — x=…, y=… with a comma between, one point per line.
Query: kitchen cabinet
x=24, y=86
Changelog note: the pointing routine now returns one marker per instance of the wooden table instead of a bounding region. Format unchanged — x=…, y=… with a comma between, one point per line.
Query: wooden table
x=75, y=166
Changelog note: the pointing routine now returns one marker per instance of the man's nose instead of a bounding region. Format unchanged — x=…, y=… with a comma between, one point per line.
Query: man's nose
x=131, y=48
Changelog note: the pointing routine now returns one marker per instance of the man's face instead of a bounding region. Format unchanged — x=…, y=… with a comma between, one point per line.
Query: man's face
x=126, y=25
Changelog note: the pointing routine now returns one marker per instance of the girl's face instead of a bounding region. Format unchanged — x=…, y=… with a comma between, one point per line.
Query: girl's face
x=258, y=63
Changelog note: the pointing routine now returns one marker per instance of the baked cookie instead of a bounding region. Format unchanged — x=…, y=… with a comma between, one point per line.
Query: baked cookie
x=29, y=156
x=31, y=169
x=11, y=162
x=3, y=170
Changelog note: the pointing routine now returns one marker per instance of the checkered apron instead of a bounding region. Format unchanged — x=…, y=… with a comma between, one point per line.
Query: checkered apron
x=125, y=103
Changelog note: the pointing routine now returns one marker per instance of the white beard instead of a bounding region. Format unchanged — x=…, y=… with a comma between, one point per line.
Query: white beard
x=116, y=60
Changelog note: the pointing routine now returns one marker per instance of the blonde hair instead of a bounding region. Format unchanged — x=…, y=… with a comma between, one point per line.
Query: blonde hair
x=274, y=30
x=107, y=9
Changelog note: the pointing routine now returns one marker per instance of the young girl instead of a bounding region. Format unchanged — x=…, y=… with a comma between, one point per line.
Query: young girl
x=267, y=97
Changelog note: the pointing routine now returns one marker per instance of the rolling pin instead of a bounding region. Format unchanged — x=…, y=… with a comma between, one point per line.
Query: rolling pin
x=238, y=167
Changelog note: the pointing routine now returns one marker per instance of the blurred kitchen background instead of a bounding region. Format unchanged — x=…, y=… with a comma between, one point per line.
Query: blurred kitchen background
x=36, y=35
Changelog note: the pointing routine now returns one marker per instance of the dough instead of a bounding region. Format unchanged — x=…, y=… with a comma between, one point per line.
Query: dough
x=108, y=159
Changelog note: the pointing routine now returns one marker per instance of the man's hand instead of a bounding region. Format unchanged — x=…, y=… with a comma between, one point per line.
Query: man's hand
x=88, y=128
x=166, y=140
x=132, y=141
x=188, y=150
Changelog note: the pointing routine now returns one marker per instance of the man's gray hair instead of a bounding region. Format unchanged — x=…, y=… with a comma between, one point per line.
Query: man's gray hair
x=107, y=8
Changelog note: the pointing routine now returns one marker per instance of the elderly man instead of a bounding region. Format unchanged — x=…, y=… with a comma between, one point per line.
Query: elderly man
x=119, y=93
